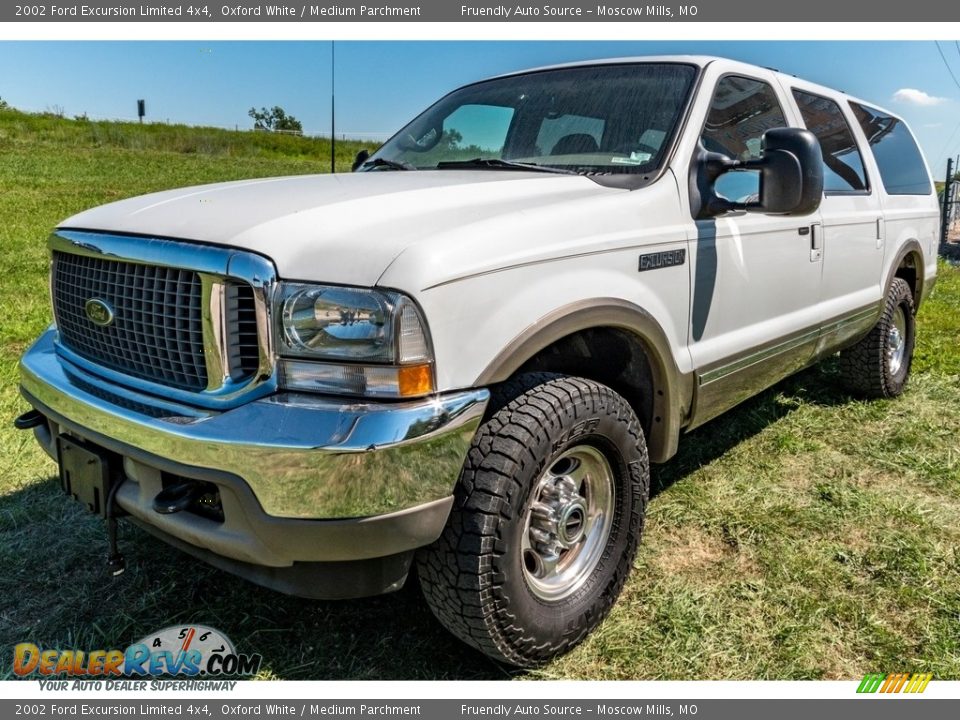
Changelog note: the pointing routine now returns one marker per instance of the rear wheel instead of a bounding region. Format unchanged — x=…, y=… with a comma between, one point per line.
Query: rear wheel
x=546, y=520
x=878, y=366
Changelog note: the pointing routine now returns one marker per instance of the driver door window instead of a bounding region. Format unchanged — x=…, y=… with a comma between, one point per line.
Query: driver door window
x=742, y=109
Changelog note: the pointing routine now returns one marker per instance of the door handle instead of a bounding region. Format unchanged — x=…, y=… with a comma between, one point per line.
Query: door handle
x=816, y=242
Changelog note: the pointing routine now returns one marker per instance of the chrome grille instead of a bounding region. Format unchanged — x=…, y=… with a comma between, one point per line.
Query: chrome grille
x=157, y=331
x=187, y=322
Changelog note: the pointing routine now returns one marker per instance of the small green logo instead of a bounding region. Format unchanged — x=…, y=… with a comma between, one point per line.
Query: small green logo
x=895, y=683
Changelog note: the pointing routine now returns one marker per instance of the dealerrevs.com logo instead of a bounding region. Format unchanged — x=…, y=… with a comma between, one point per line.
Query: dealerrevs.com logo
x=191, y=651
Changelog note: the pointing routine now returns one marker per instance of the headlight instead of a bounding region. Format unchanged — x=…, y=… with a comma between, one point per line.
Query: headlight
x=353, y=341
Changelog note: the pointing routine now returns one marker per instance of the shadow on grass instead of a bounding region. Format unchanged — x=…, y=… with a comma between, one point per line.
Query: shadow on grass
x=61, y=595
x=53, y=554
x=814, y=386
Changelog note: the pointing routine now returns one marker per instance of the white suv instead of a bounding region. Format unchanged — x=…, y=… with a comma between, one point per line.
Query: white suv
x=463, y=356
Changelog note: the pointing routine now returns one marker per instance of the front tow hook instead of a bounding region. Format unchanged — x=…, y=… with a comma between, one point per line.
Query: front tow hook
x=29, y=420
x=177, y=497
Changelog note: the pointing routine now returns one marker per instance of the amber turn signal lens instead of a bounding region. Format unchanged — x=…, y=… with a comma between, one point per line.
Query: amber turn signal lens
x=414, y=380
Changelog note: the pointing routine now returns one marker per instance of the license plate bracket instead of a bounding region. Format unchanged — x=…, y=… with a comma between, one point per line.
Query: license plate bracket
x=84, y=473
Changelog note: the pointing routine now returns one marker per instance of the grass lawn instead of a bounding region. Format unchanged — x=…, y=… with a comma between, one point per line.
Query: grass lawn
x=803, y=535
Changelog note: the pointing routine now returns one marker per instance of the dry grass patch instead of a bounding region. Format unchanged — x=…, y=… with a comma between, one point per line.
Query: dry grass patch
x=694, y=553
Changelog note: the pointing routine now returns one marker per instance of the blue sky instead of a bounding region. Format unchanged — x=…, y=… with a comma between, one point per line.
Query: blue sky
x=381, y=85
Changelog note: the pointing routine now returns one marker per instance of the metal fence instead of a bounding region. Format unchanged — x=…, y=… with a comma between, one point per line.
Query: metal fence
x=953, y=211
x=949, y=205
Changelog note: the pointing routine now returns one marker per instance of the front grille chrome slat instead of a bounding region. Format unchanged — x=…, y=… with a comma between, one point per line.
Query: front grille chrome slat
x=243, y=346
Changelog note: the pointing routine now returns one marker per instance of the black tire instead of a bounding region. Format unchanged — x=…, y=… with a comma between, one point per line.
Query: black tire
x=475, y=577
x=867, y=368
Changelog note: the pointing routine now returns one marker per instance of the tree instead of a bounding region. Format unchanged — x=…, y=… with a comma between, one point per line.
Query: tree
x=450, y=139
x=4, y=105
x=274, y=119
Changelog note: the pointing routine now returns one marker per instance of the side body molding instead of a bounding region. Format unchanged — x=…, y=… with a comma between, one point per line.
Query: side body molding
x=673, y=390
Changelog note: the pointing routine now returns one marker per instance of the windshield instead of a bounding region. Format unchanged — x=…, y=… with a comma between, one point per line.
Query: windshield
x=596, y=119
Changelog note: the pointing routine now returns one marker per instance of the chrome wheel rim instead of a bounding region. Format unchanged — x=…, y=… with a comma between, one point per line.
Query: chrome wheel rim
x=567, y=523
x=896, y=341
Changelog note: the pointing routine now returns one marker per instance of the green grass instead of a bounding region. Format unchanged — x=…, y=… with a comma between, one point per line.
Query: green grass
x=803, y=535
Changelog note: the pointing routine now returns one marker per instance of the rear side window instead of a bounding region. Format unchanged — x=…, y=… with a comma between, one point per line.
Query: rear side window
x=842, y=163
x=898, y=157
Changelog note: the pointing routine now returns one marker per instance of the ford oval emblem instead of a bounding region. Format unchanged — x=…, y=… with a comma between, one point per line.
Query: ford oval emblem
x=99, y=312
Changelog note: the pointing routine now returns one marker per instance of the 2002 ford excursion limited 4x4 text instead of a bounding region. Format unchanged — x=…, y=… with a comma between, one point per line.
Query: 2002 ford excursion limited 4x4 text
x=462, y=357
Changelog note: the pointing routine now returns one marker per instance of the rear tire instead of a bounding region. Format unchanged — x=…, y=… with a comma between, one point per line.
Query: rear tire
x=879, y=365
x=545, y=524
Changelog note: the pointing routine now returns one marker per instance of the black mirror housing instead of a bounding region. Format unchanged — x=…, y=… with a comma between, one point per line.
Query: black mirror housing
x=791, y=176
x=360, y=159
x=791, y=172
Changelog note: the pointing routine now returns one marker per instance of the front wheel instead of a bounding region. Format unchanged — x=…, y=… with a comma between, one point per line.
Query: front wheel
x=878, y=366
x=546, y=520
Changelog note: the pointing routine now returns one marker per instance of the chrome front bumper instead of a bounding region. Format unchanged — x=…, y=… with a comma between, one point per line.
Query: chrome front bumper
x=378, y=475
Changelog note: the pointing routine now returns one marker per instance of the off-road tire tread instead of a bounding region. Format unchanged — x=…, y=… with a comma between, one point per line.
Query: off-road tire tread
x=458, y=573
x=863, y=367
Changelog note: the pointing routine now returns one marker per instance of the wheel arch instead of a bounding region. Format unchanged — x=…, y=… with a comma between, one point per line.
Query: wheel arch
x=662, y=408
x=909, y=265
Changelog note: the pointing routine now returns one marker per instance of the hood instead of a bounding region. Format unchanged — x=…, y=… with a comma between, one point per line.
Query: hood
x=338, y=228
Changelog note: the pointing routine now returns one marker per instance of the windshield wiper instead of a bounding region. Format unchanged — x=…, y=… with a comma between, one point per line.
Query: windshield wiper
x=392, y=164
x=498, y=164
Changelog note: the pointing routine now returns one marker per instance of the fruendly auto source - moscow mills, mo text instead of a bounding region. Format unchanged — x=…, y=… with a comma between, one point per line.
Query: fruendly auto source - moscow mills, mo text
x=505, y=12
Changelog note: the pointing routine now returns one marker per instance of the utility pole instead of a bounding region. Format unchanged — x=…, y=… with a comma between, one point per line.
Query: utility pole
x=333, y=114
x=945, y=214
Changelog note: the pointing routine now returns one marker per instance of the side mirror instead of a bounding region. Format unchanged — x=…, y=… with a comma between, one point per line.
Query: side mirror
x=791, y=176
x=791, y=172
x=360, y=159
